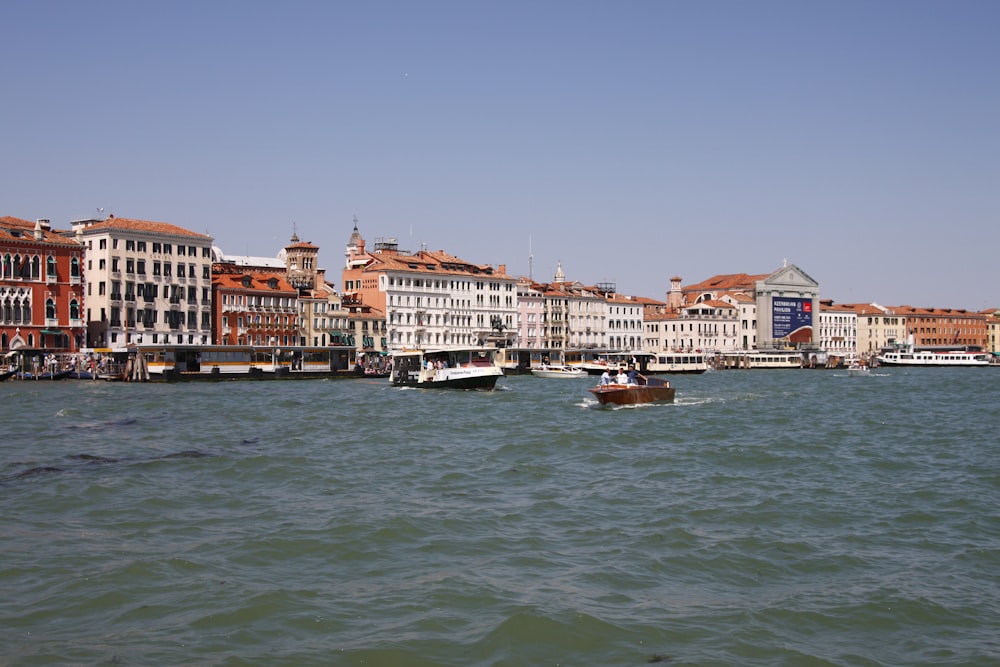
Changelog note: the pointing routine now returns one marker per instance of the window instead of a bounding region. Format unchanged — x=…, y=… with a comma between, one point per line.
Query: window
x=50, y=266
x=50, y=309
x=156, y=268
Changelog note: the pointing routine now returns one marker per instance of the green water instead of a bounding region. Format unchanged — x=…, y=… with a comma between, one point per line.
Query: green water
x=764, y=518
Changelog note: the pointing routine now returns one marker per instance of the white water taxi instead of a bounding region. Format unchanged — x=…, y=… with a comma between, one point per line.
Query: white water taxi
x=446, y=368
x=558, y=372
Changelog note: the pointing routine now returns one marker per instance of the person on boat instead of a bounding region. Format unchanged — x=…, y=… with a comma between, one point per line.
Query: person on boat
x=605, y=378
x=622, y=377
x=635, y=377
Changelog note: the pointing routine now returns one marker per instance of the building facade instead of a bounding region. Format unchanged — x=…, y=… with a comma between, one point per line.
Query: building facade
x=430, y=299
x=147, y=282
x=41, y=288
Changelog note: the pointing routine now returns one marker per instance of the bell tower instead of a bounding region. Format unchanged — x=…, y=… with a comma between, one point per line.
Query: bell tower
x=300, y=263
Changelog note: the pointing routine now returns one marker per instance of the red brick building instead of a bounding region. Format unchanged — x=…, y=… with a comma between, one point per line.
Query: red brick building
x=41, y=288
x=253, y=307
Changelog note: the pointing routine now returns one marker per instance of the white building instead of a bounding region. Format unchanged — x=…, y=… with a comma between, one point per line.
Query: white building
x=146, y=282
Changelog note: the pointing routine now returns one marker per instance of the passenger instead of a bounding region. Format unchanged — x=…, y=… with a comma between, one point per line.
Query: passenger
x=605, y=378
x=635, y=377
x=622, y=377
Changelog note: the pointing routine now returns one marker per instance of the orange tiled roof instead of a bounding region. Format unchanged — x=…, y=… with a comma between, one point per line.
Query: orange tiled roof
x=143, y=226
x=712, y=303
x=25, y=229
x=726, y=282
x=259, y=282
x=431, y=263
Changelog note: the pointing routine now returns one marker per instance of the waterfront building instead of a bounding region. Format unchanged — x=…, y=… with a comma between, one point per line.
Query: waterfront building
x=944, y=327
x=785, y=304
x=838, y=329
x=737, y=289
x=708, y=324
x=561, y=315
x=530, y=329
x=879, y=327
x=624, y=323
x=992, y=331
x=146, y=282
x=322, y=320
x=253, y=307
x=430, y=298
x=41, y=288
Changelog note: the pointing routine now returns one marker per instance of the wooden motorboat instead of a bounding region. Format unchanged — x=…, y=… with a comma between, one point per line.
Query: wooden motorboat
x=653, y=391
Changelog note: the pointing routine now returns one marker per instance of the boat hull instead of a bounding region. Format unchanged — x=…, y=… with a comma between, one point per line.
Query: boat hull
x=559, y=373
x=616, y=394
x=469, y=381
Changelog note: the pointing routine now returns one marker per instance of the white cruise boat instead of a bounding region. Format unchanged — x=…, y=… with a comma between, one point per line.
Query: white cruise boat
x=908, y=355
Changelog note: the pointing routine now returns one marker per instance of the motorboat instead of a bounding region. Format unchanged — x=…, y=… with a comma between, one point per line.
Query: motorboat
x=558, y=372
x=654, y=390
x=858, y=369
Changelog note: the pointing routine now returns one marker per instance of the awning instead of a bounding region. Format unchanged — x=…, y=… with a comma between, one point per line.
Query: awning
x=54, y=332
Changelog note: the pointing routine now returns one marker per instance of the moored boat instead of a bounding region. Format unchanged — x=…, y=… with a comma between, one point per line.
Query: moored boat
x=558, y=372
x=238, y=362
x=654, y=390
x=910, y=355
x=446, y=368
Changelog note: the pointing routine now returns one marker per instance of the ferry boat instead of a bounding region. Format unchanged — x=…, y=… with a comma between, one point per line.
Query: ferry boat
x=771, y=359
x=446, y=368
x=909, y=355
x=244, y=362
x=649, y=362
x=678, y=362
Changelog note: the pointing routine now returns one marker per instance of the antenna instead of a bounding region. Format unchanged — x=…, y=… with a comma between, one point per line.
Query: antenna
x=530, y=259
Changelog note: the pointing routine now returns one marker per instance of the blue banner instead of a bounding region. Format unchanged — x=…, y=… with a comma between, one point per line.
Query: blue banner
x=789, y=314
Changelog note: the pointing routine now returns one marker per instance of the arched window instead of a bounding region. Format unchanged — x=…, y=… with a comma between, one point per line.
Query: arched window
x=74, y=267
x=26, y=310
x=8, y=312
x=36, y=268
x=50, y=267
x=8, y=266
x=74, y=310
x=50, y=309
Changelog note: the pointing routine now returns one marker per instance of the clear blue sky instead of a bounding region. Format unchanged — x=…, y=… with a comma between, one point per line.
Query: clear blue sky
x=632, y=141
